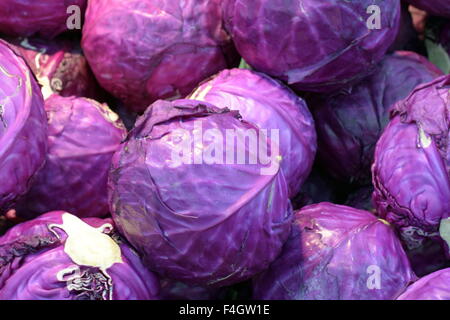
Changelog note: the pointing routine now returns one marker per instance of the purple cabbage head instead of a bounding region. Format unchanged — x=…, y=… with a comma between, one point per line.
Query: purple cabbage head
x=271, y=106
x=47, y=18
x=349, y=122
x=23, y=127
x=58, y=256
x=144, y=50
x=435, y=7
x=186, y=193
x=434, y=286
x=59, y=66
x=83, y=136
x=336, y=252
x=313, y=45
x=411, y=166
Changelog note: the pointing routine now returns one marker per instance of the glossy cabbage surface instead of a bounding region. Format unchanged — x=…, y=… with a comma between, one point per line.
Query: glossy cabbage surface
x=271, y=106
x=59, y=66
x=23, y=127
x=411, y=165
x=144, y=50
x=349, y=123
x=313, y=45
x=435, y=286
x=435, y=7
x=204, y=223
x=83, y=136
x=40, y=260
x=46, y=18
x=337, y=253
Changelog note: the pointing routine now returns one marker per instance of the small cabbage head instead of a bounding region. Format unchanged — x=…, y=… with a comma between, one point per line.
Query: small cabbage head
x=82, y=138
x=411, y=166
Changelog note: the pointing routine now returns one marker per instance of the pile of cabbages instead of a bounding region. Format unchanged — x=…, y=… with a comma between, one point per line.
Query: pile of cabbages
x=225, y=149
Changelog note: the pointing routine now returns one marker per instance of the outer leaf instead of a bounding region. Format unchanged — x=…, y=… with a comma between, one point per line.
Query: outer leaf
x=23, y=127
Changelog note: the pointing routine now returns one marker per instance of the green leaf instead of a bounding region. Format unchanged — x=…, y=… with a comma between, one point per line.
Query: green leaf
x=244, y=65
x=437, y=54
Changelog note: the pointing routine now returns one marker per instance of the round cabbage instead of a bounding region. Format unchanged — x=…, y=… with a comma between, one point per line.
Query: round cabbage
x=435, y=286
x=349, y=123
x=58, y=256
x=337, y=253
x=313, y=45
x=435, y=7
x=83, y=136
x=23, y=127
x=144, y=50
x=269, y=105
x=411, y=165
x=181, y=196
x=59, y=66
x=47, y=18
